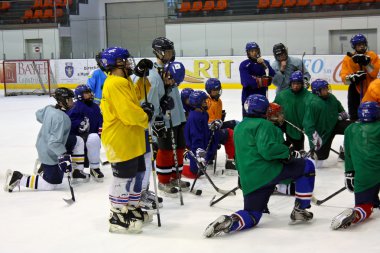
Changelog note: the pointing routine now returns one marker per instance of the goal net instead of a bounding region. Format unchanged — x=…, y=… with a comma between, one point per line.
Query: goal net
x=25, y=77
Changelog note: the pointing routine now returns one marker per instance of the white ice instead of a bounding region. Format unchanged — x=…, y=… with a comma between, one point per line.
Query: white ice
x=42, y=222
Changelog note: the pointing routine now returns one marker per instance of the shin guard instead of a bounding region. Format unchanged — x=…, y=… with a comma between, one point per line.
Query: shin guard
x=243, y=219
x=305, y=185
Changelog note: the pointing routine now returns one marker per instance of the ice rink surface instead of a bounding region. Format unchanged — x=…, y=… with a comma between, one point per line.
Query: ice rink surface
x=42, y=222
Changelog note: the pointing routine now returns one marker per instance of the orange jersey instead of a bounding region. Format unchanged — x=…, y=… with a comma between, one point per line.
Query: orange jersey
x=349, y=67
x=214, y=109
x=373, y=92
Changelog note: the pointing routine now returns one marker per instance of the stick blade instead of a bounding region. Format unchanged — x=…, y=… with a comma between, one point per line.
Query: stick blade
x=69, y=201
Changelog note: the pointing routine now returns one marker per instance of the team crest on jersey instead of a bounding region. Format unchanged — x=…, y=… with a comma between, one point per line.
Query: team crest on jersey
x=69, y=69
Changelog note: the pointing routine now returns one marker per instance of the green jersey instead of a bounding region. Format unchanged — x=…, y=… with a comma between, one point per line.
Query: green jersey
x=362, y=153
x=321, y=115
x=293, y=106
x=258, y=150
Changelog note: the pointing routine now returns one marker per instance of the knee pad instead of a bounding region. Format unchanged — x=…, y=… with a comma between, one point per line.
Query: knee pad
x=244, y=219
x=93, y=150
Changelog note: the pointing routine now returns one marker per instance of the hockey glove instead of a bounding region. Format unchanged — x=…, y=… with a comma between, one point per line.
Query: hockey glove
x=64, y=163
x=223, y=115
x=356, y=78
x=361, y=59
x=159, y=127
x=263, y=81
x=166, y=103
x=317, y=141
x=148, y=109
x=84, y=125
x=142, y=68
x=350, y=180
x=215, y=125
x=201, y=156
x=343, y=116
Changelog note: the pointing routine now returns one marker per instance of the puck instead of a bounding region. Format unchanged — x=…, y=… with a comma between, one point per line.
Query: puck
x=198, y=192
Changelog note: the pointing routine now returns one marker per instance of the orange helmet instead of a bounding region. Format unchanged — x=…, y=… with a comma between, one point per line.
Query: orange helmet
x=275, y=114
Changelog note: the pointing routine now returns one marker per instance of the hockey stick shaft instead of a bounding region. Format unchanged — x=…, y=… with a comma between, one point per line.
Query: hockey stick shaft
x=320, y=202
x=152, y=160
x=201, y=168
x=213, y=202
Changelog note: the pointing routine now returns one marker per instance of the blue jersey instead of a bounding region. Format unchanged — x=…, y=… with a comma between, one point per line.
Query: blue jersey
x=248, y=71
x=95, y=82
x=81, y=110
x=197, y=135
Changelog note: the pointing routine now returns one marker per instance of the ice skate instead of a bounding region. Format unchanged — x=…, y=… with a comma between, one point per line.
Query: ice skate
x=341, y=155
x=139, y=214
x=185, y=186
x=121, y=221
x=230, y=168
x=12, y=179
x=220, y=225
x=168, y=189
x=343, y=220
x=148, y=200
x=80, y=176
x=97, y=175
x=299, y=214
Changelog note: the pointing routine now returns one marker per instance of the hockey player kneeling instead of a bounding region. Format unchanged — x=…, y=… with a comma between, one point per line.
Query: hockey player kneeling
x=262, y=161
x=362, y=146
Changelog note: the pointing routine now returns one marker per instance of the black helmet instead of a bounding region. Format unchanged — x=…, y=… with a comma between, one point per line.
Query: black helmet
x=279, y=49
x=160, y=45
x=62, y=94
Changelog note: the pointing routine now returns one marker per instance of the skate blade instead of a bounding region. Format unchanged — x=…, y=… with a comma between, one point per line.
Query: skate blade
x=80, y=180
x=115, y=229
x=300, y=222
x=170, y=195
x=99, y=180
x=230, y=172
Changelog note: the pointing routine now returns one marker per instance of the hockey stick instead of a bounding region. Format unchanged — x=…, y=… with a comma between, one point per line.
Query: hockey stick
x=231, y=192
x=202, y=169
x=320, y=202
x=152, y=158
x=72, y=200
x=207, y=149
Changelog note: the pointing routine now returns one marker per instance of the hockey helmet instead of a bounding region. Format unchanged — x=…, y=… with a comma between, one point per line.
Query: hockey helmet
x=197, y=98
x=296, y=76
x=358, y=38
x=176, y=70
x=317, y=85
x=256, y=105
x=160, y=45
x=185, y=94
x=369, y=112
x=108, y=58
x=275, y=114
x=62, y=95
x=279, y=49
x=80, y=89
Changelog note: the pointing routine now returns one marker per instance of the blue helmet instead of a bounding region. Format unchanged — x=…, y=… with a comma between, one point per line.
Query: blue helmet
x=252, y=45
x=80, y=89
x=110, y=55
x=296, y=76
x=368, y=112
x=317, y=85
x=256, y=105
x=358, y=38
x=213, y=84
x=176, y=71
x=185, y=94
x=196, y=99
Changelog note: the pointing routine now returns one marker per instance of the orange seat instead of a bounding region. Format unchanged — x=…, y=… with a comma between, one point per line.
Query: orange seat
x=48, y=4
x=63, y=3
x=290, y=3
x=38, y=14
x=5, y=6
x=48, y=13
x=28, y=14
x=221, y=5
x=185, y=7
x=209, y=6
x=197, y=6
x=59, y=12
x=38, y=4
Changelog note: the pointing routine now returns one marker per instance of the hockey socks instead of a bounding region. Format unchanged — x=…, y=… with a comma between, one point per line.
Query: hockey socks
x=243, y=219
x=362, y=212
x=305, y=185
